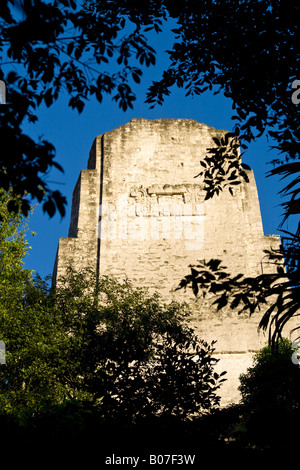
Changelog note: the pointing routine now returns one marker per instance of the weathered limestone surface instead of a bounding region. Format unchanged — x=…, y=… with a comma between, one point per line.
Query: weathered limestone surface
x=139, y=212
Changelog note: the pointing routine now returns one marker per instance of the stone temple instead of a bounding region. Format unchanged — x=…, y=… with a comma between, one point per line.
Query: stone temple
x=139, y=212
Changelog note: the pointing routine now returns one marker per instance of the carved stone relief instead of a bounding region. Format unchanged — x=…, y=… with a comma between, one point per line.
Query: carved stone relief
x=168, y=200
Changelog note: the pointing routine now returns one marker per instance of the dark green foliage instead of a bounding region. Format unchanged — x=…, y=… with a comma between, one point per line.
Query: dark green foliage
x=140, y=356
x=122, y=352
x=74, y=364
x=270, y=396
x=94, y=345
x=273, y=382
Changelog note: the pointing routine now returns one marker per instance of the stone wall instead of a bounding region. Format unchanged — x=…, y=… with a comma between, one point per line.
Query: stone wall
x=139, y=212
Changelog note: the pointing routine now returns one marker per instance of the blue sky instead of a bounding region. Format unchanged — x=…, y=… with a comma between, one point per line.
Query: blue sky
x=73, y=135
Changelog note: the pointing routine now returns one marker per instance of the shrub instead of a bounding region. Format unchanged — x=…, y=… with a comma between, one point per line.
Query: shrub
x=271, y=396
x=100, y=342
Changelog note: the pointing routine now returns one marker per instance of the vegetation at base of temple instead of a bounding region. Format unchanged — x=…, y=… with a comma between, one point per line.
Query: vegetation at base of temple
x=96, y=343
x=127, y=356
x=270, y=396
x=263, y=385
x=94, y=358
